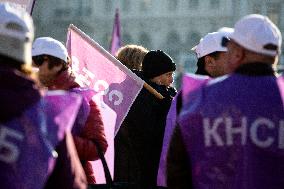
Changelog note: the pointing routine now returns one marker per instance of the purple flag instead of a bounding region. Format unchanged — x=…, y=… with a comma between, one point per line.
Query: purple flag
x=115, y=38
x=190, y=82
x=27, y=142
x=62, y=109
x=95, y=68
x=234, y=133
x=116, y=86
x=109, y=119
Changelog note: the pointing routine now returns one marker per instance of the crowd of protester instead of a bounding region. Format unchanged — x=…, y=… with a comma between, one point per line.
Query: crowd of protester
x=227, y=133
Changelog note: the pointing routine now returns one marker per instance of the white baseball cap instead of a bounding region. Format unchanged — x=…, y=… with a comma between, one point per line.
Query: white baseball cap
x=49, y=46
x=226, y=30
x=16, y=33
x=210, y=43
x=257, y=33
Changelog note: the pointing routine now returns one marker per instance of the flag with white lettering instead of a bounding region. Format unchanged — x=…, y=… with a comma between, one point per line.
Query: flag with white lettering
x=233, y=133
x=190, y=82
x=22, y=4
x=115, y=85
x=28, y=142
x=115, y=38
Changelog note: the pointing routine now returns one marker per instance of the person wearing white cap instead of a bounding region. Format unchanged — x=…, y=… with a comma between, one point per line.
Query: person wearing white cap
x=51, y=57
x=230, y=134
x=211, y=55
x=55, y=73
x=255, y=39
x=27, y=146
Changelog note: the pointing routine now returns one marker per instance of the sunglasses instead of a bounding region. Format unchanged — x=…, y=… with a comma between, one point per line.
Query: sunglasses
x=38, y=60
x=225, y=41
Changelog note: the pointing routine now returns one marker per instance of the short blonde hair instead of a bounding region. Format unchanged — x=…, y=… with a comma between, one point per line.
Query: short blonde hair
x=131, y=56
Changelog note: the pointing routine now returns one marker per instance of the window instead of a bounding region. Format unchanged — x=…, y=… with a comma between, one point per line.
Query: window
x=215, y=3
x=257, y=8
x=273, y=12
x=173, y=38
x=193, y=39
x=193, y=4
x=173, y=43
x=108, y=5
x=126, y=5
x=145, y=40
x=126, y=37
x=84, y=8
x=79, y=8
x=62, y=12
x=173, y=4
x=144, y=5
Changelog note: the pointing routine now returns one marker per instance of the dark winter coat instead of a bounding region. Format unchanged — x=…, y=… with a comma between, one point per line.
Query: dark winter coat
x=138, y=143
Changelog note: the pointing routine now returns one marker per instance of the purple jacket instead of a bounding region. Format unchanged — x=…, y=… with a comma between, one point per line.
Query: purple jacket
x=30, y=129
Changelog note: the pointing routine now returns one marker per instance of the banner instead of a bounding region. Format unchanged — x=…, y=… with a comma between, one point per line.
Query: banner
x=23, y=4
x=115, y=38
x=115, y=85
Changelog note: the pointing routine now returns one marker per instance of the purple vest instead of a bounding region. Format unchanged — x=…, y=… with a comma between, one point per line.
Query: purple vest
x=27, y=142
x=234, y=133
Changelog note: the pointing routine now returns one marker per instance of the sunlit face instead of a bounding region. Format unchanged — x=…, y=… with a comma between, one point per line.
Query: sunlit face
x=218, y=65
x=165, y=79
x=233, y=56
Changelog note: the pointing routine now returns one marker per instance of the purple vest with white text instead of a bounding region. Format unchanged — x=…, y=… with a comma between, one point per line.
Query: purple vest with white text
x=234, y=133
x=27, y=142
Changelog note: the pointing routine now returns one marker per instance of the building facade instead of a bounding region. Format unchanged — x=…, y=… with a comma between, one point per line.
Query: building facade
x=174, y=26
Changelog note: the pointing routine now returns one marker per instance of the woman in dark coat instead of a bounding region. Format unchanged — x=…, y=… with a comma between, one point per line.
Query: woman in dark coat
x=138, y=143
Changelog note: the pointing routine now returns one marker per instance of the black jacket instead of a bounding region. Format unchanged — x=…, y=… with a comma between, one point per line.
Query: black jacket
x=139, y=141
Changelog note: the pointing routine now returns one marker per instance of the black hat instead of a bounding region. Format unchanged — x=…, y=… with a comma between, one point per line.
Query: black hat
x=156, y=63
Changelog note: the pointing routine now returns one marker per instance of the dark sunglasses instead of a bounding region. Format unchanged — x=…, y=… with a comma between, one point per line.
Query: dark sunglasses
x=225, y=41
x=38, y=60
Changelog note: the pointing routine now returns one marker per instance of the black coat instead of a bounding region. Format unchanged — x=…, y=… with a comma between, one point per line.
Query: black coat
x=139, y=141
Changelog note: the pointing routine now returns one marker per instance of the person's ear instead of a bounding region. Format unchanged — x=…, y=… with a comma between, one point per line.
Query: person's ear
x=239, y=53
x=69, y=61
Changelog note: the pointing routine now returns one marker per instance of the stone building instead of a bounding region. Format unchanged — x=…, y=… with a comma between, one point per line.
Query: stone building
x=171, y=25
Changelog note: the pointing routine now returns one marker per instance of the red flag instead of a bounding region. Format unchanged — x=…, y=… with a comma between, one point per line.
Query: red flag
x=115, y=39
x=23, y=4
x=115, y=85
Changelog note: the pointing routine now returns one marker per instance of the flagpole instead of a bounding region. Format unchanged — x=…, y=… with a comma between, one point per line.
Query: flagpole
x=114, y=60
x=32, y=7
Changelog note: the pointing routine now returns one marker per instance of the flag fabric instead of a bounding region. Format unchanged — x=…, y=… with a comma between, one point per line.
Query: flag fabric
x=28, y=141
x=115, y=38
x=23, y=4
x=109, y=119
x=190, y=82
x=115, y=85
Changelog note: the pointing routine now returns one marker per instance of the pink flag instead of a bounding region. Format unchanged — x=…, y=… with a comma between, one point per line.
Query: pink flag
x=115, y=39
x=191, y=82
x=23, y=4
x=116, y=86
